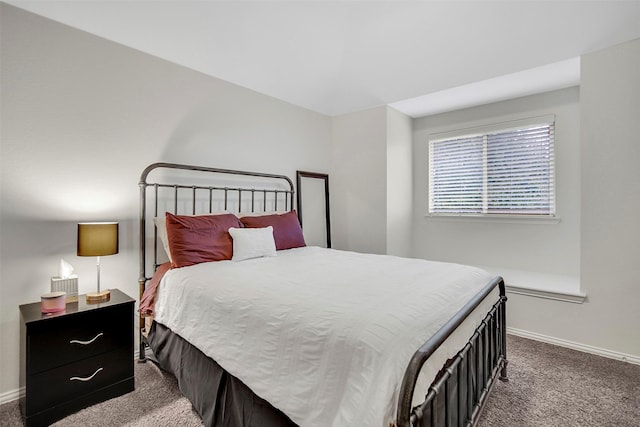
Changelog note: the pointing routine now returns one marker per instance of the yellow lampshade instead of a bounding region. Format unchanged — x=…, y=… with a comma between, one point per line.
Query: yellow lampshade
x=97, y=238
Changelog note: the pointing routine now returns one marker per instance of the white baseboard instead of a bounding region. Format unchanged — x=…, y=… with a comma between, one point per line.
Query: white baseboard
x=11, y=395
x=574, y=346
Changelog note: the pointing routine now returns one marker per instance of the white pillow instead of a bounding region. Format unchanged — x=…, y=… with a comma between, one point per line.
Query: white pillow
x=161, y=225
x=252, y=243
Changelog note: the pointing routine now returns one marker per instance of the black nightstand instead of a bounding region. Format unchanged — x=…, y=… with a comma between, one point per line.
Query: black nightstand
x=75, y=358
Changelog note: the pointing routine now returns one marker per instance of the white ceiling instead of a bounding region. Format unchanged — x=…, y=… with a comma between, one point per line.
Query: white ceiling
x=336, y=57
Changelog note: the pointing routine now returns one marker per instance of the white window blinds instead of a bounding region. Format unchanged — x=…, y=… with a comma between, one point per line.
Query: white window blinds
x=504, y=172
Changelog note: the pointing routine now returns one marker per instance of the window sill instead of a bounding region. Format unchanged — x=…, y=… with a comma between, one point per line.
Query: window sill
x=577, y=297
x=541, y=285
x=511, y=219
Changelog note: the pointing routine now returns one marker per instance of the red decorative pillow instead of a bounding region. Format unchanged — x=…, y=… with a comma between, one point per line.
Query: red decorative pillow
x=202, y=238
x=286, y=228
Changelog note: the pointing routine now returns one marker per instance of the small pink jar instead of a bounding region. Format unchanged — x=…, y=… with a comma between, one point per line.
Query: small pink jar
x=53, y=302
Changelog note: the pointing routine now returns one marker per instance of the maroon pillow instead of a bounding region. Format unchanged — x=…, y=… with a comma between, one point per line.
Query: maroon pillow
x=286, y=228
x=201, y=238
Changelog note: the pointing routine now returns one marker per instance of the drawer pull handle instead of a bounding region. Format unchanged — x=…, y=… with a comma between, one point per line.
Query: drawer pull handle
x=87, y=378
x=86, y=342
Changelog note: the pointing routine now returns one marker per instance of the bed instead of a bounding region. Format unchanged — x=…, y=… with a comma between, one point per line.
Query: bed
x=282, y=334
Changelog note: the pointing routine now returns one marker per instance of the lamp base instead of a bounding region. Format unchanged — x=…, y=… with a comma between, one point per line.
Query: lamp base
x=96, y=297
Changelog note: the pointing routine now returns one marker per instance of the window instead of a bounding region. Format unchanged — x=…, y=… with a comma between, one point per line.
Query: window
x=496, y=172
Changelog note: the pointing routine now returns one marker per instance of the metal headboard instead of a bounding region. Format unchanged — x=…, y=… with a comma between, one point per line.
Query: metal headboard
x=189, y=190
x=276, y=193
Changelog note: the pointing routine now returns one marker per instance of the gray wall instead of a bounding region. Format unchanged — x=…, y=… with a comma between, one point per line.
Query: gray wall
x=536, y=247
x=371, y=182
x=608, y=322
x=359, y=181
x=399, y=183
x=610, y=208
x=81, y=118
x=596, y=241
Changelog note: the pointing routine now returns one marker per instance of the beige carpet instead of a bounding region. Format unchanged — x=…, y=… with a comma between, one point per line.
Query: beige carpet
x=555, y=386
x=549, y=386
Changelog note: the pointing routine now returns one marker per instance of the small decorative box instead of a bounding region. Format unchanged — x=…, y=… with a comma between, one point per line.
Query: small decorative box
x=53, y=302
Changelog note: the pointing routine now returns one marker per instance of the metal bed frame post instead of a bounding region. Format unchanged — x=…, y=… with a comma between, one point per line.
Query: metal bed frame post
x=142, y=280
x=483, y=358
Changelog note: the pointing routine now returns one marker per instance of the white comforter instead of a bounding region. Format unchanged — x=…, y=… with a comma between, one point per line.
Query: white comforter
x=323, y=335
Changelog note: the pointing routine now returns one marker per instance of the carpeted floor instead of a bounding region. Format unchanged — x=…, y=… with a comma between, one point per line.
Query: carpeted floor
x=549, y=386
x=555, y=386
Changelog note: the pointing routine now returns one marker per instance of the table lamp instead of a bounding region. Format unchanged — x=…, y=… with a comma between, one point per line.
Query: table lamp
x=98, y=239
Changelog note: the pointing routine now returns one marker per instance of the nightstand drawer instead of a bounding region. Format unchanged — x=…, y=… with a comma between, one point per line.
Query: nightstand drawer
x=67, y=339
x=80, y=378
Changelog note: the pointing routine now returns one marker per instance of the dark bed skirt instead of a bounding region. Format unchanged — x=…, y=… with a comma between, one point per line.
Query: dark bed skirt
x=221, y=399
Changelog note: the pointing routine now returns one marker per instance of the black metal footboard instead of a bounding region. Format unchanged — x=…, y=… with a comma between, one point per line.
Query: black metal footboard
x=458, y=394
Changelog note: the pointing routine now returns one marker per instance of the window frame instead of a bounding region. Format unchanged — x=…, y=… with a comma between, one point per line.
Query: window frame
x=484, y=130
